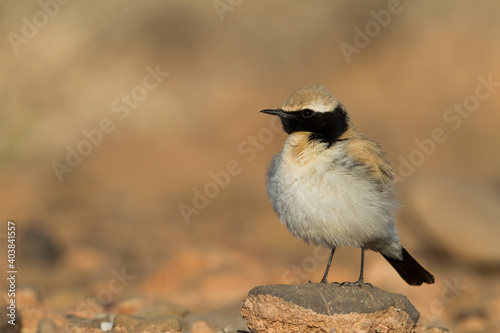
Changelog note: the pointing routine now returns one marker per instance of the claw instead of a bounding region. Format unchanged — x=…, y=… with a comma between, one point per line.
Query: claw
x=358, y=283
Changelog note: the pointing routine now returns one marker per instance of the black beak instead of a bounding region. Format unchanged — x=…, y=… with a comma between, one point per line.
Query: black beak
x=277, y=112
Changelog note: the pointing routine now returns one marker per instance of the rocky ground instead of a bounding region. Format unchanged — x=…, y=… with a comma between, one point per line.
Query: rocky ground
x=280, y=308
x=130, y=315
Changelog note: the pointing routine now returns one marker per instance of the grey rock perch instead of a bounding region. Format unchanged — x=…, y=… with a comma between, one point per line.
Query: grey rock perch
x=318, y=307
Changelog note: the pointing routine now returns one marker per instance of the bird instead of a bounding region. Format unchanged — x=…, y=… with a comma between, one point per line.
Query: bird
x=333, y=187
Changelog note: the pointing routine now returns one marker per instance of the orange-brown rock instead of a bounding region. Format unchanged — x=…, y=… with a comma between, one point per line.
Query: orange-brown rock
x=327, y=308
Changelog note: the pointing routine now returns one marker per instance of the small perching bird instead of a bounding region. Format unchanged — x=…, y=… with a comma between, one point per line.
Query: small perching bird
x=333, y=187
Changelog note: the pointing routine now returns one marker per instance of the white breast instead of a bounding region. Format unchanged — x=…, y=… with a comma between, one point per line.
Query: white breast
x=329, y=200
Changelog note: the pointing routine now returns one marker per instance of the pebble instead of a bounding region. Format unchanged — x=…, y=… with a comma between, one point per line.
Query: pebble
x=47, y=326
x=161, y=308
x=106, y=326
x=218, y=319
x=129, y=306
x=433, y=329
x=87, y=322
x=28, y=297
x=163, y=323
x=127, y=321
x=461, y=217
x=201, y=326
x=229, y=329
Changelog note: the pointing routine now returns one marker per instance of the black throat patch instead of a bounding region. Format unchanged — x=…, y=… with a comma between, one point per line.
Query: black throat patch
x=324, y=126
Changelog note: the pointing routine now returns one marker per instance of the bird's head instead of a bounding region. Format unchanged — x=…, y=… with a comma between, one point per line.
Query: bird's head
x=313, y=109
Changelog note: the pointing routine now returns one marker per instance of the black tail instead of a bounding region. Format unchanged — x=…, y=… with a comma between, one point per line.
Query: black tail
x=410, y=270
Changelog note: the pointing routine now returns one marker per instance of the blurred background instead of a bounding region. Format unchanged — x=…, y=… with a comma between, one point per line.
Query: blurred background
x=131, y=145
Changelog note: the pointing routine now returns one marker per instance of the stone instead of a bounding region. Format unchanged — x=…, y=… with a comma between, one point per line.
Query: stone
x=33, y=317
x=28, y=297
x=162, y=324
x=48, y=326
x=326, y=307
x=229, y=329
x=161, y=308
x=422, y=329
x=453, y=212
x=87, y=322
x=138, y=324
x=326, y=298
x=201, y=326
x=106, y=326
x=127, y=321
x=129, y=306
x=217, y=319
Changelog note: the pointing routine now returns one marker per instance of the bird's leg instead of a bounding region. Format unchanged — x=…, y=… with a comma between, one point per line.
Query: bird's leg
x=323, y=280
x=361, y=280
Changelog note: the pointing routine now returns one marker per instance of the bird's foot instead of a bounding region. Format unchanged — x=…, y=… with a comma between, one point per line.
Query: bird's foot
x=359, y=283
x=326, y=281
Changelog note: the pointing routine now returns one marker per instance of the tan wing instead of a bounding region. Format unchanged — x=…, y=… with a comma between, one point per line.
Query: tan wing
x=371, y=154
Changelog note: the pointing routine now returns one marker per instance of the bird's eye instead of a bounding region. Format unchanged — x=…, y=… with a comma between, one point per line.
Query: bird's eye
x=307, y=113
